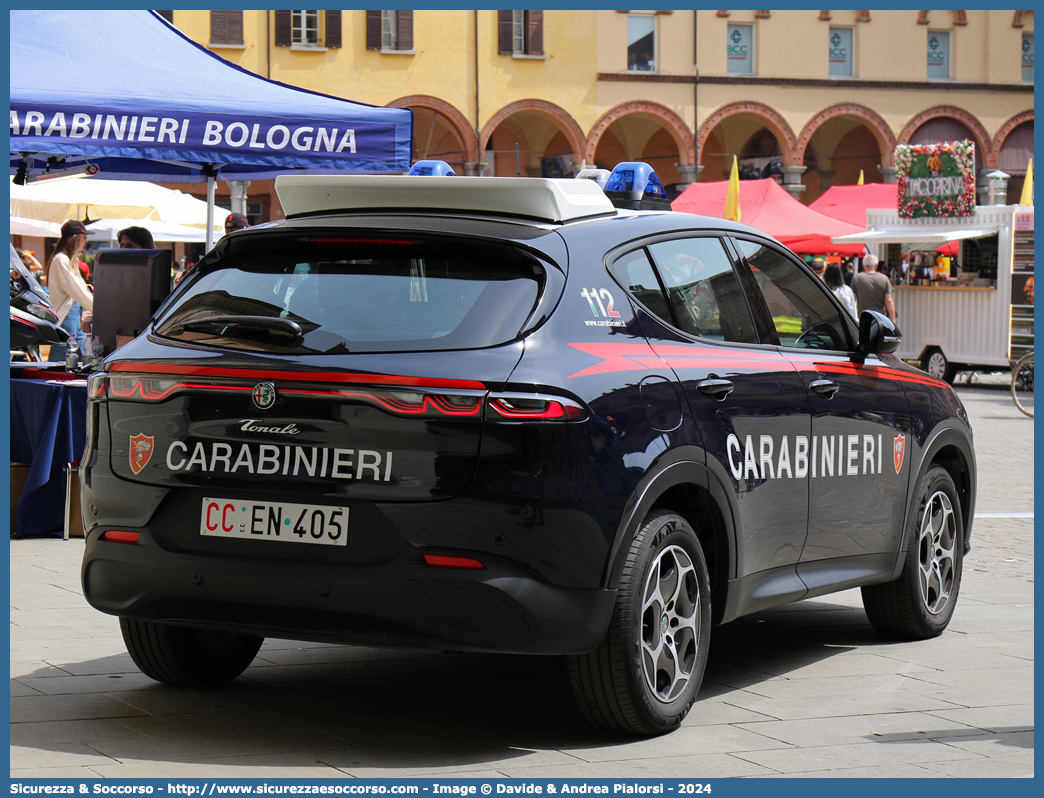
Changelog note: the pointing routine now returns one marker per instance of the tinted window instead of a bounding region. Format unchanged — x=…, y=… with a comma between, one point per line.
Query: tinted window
x=798, y=302
x=638, y=277
x=703, y=290
x=349, y=297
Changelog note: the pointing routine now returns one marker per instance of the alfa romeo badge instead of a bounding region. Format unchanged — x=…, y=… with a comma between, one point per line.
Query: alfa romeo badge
x=264, y=395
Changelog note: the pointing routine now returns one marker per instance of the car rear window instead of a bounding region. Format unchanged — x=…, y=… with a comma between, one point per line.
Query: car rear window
x=357, y=296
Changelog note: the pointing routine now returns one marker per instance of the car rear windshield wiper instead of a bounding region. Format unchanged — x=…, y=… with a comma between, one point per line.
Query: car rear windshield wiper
x=272, y=325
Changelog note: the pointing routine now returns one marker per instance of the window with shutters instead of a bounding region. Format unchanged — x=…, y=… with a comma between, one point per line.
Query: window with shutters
x=1027, y=58
x=520, y=33
x=304, y=27
x=226, y=28
x=390, y=32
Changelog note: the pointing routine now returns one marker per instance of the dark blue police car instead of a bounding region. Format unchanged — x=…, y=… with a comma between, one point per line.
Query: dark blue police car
x=512, y=415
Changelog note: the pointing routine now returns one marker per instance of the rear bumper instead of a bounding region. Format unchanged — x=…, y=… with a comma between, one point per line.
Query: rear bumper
x=398, y=603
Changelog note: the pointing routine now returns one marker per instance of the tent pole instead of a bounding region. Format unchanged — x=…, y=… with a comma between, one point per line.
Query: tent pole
x=211, y=186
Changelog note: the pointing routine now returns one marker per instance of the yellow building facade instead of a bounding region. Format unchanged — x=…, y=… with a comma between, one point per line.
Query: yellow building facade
x=810, y=97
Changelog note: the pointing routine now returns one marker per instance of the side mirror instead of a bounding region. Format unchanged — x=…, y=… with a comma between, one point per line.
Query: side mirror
x=877, y=334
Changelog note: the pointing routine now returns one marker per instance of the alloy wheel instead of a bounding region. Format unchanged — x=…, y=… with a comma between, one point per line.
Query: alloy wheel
x=937, y=558
x=670, y=623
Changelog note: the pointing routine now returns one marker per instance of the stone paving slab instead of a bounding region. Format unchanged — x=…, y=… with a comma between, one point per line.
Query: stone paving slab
x=301, y=765
x=710, y=766
x=808, y=690
x=862, y=729
x=828, y=757
x=66, y=731
x=1007, y=768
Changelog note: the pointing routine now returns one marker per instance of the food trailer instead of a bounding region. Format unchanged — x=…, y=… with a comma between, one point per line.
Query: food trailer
x=962, y=275
x=977, y=311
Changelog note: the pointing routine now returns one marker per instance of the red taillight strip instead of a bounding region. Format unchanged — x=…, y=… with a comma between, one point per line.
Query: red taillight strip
x=22, y=321
x=362, y=242
x=438, y=561
x=297, y=376
x=553, y=410
x=114, y=536
x=137, y=389
x=428, y=403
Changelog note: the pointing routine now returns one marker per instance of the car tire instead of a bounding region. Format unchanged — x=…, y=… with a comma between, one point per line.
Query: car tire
x=937, y=365
x=919, y=604
x=645, y=675
x=186, y=657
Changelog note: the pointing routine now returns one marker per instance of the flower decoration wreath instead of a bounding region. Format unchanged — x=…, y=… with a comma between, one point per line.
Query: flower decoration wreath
x=936, y=179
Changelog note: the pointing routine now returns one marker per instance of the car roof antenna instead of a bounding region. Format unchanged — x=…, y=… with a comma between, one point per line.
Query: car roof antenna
x=518, y=165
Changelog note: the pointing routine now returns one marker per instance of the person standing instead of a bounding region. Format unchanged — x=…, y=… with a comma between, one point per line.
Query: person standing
x=836, y=283
x=66, y=288
x=135, y=238
x=873, y=291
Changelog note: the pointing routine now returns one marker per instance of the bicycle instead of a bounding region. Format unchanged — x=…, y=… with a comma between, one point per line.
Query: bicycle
x=1022, y=384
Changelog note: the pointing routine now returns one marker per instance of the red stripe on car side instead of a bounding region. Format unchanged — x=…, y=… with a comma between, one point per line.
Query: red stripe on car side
x=641, y=357
x=885, y=372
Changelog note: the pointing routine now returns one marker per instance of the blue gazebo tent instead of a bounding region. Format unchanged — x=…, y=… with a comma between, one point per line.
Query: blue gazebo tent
x=129, y=93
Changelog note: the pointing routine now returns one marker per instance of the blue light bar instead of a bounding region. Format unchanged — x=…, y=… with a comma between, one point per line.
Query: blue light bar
x=635, y=176
x=634, y=185
x=431, y=169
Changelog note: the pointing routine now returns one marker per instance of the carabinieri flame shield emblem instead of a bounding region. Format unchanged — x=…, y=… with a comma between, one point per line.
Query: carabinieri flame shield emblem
x=140, y=451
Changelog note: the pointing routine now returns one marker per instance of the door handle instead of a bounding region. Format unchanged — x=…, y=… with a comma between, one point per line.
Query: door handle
x=825, y=388
x=719, y=389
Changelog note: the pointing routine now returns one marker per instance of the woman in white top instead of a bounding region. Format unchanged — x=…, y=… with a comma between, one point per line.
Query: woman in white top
x=65, y=286
x=836, y=283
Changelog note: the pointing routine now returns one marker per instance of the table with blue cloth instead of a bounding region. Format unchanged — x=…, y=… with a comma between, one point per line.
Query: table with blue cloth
x=48, y=431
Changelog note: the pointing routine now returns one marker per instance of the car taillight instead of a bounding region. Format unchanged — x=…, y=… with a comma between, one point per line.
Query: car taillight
x=153, y=389
x=407, y=403
x=361, y=242
x=533, y=407
x=96, y=385
x=439, y=561
x=115, y=536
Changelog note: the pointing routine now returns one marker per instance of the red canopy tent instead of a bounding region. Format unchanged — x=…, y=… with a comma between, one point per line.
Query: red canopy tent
x=849, y=203
x=766, y=206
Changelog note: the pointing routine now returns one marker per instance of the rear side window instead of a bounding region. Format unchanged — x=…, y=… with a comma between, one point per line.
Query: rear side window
x=356, y=296
x=638, y=277
x=703, y=290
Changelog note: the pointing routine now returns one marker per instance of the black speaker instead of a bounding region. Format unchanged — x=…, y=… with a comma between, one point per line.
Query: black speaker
x=129, y=285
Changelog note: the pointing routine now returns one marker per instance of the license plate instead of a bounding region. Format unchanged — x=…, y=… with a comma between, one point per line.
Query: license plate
x=293, y=523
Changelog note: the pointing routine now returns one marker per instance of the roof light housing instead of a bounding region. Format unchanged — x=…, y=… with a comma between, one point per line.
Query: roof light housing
x=634, y=185
x=431, y=169
x=600, y=176
x=550, y=200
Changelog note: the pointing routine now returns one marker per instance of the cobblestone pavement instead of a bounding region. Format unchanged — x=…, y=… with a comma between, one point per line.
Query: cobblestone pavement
x=805, y=690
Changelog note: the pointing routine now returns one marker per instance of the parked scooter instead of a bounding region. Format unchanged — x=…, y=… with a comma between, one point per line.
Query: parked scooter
x=33, y=321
